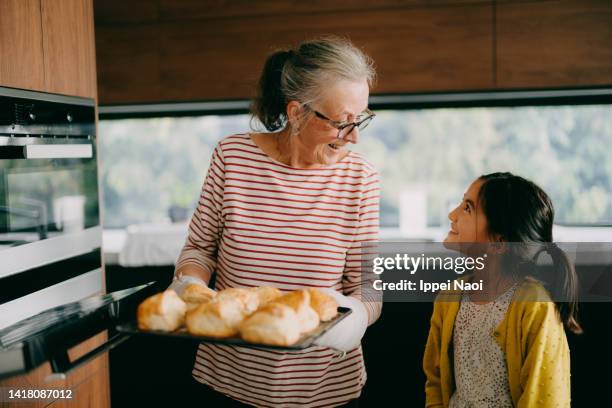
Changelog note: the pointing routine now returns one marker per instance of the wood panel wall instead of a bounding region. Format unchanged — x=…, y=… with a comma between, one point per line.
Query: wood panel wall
x=551, y=44
x=185, y=50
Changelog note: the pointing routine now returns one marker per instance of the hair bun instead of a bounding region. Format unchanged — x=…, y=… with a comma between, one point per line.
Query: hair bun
x=269, y=105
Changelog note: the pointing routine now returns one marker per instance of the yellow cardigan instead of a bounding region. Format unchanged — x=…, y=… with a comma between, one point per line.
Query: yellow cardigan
x=531, y=336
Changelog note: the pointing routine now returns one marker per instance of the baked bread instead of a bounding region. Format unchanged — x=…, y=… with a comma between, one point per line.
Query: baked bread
x=273, y=324
x=195, y=294
x=266, y=294
x=325, y=305
x=164, y=311
x=218, y=318
x=246, y=297
x=299, y=301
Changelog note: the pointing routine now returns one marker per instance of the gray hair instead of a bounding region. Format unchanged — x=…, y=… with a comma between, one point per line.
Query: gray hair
x=303, y=74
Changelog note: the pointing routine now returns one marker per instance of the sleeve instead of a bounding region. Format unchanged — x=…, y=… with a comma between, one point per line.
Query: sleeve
x=206, y=225
x=355, y=282
x=545, y=372
x=431, y=360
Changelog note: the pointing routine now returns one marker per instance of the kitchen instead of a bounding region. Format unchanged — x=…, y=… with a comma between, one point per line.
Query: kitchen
x=180, y=74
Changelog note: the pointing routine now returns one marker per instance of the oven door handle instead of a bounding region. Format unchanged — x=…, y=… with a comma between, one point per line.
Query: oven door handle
x=47, y=151
x=58, y=151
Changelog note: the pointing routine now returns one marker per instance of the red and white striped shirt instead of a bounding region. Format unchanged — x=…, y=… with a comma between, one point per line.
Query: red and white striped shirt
x=262, y=223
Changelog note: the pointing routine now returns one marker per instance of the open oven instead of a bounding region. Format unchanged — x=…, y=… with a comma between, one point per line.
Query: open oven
x=52, y=293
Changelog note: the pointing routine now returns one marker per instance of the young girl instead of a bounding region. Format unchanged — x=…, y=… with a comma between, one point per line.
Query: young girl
x=504, y=346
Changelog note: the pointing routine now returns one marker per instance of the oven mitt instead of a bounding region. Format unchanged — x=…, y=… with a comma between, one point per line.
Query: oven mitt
x=347, y=334
x=179, y=284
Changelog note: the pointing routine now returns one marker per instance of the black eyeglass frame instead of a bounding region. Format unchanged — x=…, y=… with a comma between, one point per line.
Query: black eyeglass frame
x=343, y=125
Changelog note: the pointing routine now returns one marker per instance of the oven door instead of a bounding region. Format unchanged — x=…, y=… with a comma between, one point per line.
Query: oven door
x=49, y=203
x=50, y=233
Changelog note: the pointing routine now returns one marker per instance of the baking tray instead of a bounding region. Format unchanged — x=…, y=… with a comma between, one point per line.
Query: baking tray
x=307, y=340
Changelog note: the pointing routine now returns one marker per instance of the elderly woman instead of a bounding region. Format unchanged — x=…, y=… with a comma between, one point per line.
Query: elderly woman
x=291, y=208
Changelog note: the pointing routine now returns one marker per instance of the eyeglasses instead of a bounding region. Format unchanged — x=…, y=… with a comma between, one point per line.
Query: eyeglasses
x=345, y=128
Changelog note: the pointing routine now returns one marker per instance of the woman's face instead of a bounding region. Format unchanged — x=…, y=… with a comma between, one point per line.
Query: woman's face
x=344, y=101
x=468, y=222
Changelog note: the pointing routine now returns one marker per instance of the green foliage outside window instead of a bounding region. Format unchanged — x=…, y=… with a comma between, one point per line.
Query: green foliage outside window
x=151, y=165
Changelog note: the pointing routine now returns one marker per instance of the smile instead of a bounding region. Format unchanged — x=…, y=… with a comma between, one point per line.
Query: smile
x=335, y=146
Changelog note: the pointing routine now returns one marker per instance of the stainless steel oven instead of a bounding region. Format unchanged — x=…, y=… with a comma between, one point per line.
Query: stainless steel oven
x=49, y=199
x=51, y=278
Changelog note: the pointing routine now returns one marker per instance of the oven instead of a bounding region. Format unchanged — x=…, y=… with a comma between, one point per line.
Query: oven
x=52, y=292
x=49, y=201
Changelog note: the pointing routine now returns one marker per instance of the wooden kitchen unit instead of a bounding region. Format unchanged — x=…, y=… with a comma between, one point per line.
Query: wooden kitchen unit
x=49, y=46
x=21, y=51
x=89, y=384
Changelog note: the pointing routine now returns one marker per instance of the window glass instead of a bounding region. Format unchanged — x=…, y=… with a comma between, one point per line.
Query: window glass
x=427, y=158
x=153, y=169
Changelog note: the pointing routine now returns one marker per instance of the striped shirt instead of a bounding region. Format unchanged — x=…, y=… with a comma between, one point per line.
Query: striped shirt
x=262, y=223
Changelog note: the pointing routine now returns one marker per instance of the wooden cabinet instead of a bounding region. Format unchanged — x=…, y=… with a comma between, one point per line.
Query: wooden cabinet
x=48, y=45
x=21, y=49
x=89, y=383
x=69, y=47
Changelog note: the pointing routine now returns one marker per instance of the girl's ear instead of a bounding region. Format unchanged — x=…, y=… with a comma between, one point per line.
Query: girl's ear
x=499, y=244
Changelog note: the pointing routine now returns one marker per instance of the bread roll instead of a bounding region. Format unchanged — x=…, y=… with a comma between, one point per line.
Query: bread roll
x=218, y=318
x=266, y=294
x=325, y=305
x=299, y=301
x=164, y=311
x=195, y=294
x=246, y=297
x=273, y=324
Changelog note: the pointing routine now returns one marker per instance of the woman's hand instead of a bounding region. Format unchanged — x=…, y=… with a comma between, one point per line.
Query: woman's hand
x=347, y=334
x=181, y=282
x=188, y=274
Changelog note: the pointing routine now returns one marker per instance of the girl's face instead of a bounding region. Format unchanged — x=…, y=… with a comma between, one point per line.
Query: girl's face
x=468, y=222
x=344, y=101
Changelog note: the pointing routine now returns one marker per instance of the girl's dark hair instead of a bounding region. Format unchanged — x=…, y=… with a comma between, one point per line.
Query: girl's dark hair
x=303, y=74
x=521, y=212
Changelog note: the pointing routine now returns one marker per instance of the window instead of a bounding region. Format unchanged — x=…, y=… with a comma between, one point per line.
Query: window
x=153, y=169
x=427, y=159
